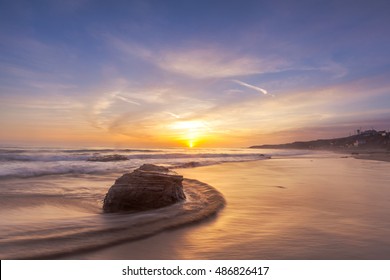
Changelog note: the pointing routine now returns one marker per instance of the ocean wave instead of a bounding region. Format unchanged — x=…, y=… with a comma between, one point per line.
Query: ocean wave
x=53, y=150
x=43, y=157
x=105, y=158
x=64, y=155
x=33, y=169
x=85, y=155
x=195, y=155
x=67, y=236
x=24, y=165
x=111, y=151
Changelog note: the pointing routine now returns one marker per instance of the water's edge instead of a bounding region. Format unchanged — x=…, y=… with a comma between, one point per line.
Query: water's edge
x=203, y=201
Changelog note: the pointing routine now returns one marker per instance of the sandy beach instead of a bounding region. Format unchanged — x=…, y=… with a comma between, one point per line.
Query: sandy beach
x=368, y=154
x=319, y=206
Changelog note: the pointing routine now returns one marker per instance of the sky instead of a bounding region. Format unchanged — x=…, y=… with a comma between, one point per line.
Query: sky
x=191, y=73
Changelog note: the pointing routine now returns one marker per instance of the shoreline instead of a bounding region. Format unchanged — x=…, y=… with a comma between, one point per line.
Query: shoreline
x=203, y=201
x=378, y=156
x=369, y=154
x=366, y=154
x=282, y=208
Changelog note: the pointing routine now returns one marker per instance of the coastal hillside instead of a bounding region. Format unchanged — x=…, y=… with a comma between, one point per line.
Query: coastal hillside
x=369, y=139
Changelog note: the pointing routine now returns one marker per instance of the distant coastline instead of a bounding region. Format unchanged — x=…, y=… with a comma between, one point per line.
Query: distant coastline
x=369, y=144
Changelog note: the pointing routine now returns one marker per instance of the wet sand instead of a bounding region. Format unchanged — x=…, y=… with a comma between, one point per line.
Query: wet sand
x=368, y=154
x=374, y=155
x=310, y=207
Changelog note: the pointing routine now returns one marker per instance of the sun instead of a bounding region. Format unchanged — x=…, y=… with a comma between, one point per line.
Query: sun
x=189, y=132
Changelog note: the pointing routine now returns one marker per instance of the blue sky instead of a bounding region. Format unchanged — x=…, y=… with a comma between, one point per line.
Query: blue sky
x=213, y=73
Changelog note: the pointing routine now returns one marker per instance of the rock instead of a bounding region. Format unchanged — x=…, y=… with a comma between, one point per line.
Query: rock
x=190, y=164
x=108, y=158
x=147, y=187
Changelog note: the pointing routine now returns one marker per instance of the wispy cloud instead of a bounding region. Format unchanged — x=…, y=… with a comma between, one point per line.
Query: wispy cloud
x=52, y=103
x=258, y=89
x=209, y=63
x=98, y=112
x=201, y=62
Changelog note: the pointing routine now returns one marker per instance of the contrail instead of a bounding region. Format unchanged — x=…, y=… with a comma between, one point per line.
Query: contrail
x=173, y=115
x=258, y=89
x=125, y=99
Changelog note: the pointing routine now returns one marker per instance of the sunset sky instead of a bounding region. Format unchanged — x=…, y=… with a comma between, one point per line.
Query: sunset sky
x=191, y=73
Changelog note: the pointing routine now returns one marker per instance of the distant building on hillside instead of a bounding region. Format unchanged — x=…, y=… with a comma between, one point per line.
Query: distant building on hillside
x=370, y=132
x=383, y=133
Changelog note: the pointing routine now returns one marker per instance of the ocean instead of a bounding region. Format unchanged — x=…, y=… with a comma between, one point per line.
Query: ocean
x=32, y=162
x=51, y=198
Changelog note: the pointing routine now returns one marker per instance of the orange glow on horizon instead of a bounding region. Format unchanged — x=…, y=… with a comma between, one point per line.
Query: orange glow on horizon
x=190, y=133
